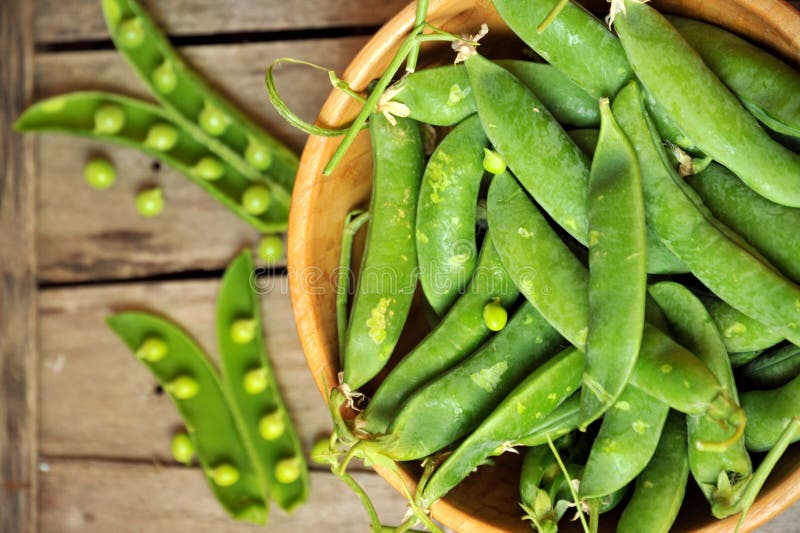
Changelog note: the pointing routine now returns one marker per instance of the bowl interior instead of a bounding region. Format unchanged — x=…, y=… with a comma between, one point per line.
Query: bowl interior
x=487, y=500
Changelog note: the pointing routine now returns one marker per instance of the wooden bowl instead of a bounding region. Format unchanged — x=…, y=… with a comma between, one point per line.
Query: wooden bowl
x=487, y=500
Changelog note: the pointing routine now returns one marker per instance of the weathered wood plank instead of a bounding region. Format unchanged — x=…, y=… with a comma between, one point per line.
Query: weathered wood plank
x=18, y=368
x=84, y=234
x=97, y=401
x=57, y=20
x=93, y=496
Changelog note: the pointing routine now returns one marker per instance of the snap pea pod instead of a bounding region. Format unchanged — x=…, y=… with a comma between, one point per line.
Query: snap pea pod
x=448, y=198
x=772, y=369
x=742, y=358
x=734, y=273
x=663, y=480
x=562, y=420
x=769, y=413
x=538, y=468
x=586, y=139
x=186, y=374
x=250, y=383
x=139, y=127
x=768, y=87
x=740, y=333
x=703, y=107
x=627, y=440
x=194, y=105
x=695, y=329
x=533, y=399
x=458, y=334
x=452, y=405
x=617, y=271
x=388, y=274
x=768, y=226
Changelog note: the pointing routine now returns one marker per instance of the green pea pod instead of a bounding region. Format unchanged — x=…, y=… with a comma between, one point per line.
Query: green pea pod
x=452, y=405
x=769, y=413
x=532, y=400
x=388, y=273
x=448, y=198
x=767, y=86
x=193, y=104
x=250, y=383
x=695, y=329
x=576, y=43
x=663, y=481
x=740, y=359
x=568, y=103
x=768, y=226
x=75, y=114
x=440, y=96
x=563, y=420
x=204, y=408
x=538, y=465
x=734, y=273
x=627, y=440
x=617, y=270
x=458, y=334
x=702, y=107
x=772, y=369
x=586, y=139
x=740, y=333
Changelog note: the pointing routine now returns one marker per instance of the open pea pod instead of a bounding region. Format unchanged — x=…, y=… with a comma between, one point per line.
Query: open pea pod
x=184, y=371
x=192, y=102
x=250, y=383
x=137, y=124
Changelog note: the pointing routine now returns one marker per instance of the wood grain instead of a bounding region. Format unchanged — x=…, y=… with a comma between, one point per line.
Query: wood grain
x=97, y=401
x=85, y=234
x=100, y=497
x=81, y=20
x=17, y=278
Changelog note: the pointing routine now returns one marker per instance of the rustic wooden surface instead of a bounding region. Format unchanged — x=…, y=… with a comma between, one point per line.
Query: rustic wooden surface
x=70, y=255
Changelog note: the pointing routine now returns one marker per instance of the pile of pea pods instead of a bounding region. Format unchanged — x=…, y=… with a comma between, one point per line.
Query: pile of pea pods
x=194, y=129
x=606, y=244
x=236, y=422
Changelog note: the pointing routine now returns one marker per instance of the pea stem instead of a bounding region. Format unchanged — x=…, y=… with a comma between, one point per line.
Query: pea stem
x=375, y=523
x=551, y=16
x=419, y=20
x=569, y=483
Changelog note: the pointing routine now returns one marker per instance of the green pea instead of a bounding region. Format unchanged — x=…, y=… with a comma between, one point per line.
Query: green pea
x=272, y=426
x=258, y=155
x=150, y=202
x=109, y=119
x=256, y=199
x=131, y=33
x=162, y=137
x=321, y=451
x=492, y=162
x=152, y=350
x=182, y=448
x=99, y=173
x=164, y=78
x=287, y=470
x=209, y=168
x=183, y=387
x=243, y=330
x=494, y=315
x=213, y=121
x=224, y=475
x=255, y=381
x=270, y=248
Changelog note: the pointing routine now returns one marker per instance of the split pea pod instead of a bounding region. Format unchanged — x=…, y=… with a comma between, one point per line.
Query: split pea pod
x=703, y=107
x=448, y=198
x=730, y=270
x=694, y=328
x=740, y=333
x=140, y=125
x=452, y=405
x=388, y=273
x=772, y=369
x=768, y=226
x=250, y=383
x=663, y=480
x=194, y=104
x=185, y=373
x=532, y=400
x=617, y=270
x=768, y=87
x=458, y=334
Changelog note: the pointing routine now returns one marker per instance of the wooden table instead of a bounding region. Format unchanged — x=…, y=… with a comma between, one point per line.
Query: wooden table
x=85, y=444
